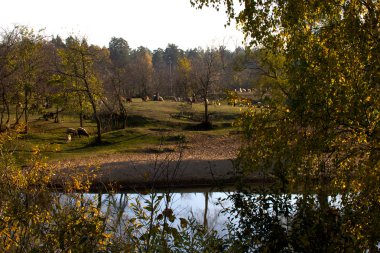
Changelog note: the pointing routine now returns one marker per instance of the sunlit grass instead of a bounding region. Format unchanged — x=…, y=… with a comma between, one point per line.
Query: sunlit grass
x=149, y=124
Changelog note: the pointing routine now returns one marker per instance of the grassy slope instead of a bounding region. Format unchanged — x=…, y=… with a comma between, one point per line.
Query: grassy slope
x=150, y=123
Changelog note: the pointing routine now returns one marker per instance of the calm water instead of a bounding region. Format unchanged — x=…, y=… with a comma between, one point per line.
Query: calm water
x=184, y=205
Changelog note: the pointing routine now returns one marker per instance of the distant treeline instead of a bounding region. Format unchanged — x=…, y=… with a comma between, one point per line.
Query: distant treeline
x=39, y=72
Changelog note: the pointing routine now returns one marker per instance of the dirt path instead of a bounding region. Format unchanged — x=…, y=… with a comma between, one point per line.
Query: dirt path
x=196, y=147
x=201, y=160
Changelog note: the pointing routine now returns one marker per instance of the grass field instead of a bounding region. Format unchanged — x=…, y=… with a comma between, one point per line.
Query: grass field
x=149, y=124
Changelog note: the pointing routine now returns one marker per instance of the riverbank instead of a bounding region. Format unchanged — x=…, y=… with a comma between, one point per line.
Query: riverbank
x=202, y=161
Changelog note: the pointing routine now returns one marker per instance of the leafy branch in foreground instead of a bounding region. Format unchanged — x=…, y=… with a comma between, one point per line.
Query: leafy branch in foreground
x=320, y=133
x=34, y=217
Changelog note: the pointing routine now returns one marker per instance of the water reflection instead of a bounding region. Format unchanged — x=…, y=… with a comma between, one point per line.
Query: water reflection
x=258, y=220
x=205, y=207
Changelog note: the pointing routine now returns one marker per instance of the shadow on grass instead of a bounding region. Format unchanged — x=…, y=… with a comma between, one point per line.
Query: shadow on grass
x=204, y=126
x=161, y=130
x=225, y=117
x=175, y=138
x=157, y=150
x=138, y=121
x=104, y=143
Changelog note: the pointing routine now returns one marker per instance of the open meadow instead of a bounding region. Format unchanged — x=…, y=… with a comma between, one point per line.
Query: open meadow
x=100, y=137
x=150, y=126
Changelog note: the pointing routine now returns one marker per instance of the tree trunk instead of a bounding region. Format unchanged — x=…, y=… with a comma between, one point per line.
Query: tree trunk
x=206, y=112
x=80, y=112
x=123, y=113
x=56, y=115
x=81, y=119
x=1, y=119
x=99, y=201
x=17, y=113
x=205, y=222
x=2, y=113
x=8, y=112
x=19, y=116
x=4, y=110
x=95, y=111
x=26, y=118
x=98, y=127
x=97, y=120
x=205, y=95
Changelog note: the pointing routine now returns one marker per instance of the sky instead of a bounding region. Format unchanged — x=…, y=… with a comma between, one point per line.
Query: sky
x=148, y=23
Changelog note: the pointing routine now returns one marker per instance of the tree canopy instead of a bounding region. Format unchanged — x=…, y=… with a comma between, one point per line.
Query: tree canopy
x=321, y=130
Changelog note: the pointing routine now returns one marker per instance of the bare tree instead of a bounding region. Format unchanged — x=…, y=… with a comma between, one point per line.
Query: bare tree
x=206, y=71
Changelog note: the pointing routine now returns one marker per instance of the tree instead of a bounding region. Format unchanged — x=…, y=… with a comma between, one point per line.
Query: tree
x=8, y=66
x=119, y=52
x=142, y=70
x=31, y=59
x=171, y=56
x=77, y=67
x=58, y=42
x=159, y=71
x=184, y=76
x=118, y=78
x=227, y=71
x=323, y=131
x=206, y=72
x=24, y=73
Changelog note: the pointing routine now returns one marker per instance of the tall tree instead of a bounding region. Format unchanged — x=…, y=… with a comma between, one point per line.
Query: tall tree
x=184, y=76
x=119, y=52
x=118, y=81
x=77, y=66
x=142, y=70
x=31, y=59
x=171, y=56
x=206, y=72
x=325, y=126
x=159, y=72
x=8, y=67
